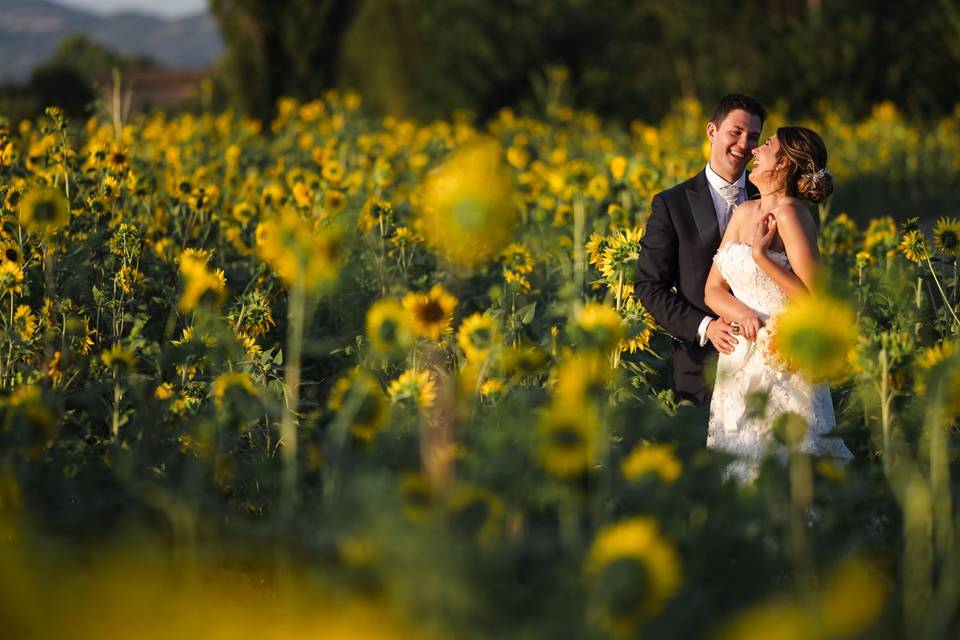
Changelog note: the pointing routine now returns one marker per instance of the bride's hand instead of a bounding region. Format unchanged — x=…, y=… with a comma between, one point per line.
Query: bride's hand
x=749, y=327
x=763, y=235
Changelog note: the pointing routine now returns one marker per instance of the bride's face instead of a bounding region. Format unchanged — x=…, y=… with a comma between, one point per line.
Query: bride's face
x=766, y=162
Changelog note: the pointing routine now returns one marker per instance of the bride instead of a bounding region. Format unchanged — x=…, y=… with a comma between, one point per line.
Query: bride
x=769, y=255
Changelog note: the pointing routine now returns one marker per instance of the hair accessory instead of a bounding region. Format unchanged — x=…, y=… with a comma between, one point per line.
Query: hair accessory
x=817, y=176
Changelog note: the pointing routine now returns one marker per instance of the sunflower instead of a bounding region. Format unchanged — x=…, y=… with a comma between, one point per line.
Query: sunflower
x=25, y=322
x=302, y=194
x=11, y=278
x=125, y=241
x=618, y=262
x=639, y=328
x=492, y=389
x=416, y=387
x=595, y=247
x=333, y=201
x=914, y=245
x=517, y=263
x=418, y=498
x=54, y=372
x=119, y=359
x=467, y=210
x=118, y=158
x=376, y=214
x=332, y=172
x=517, y=258
x=838, y=235
x=881, y=234
x=598, y=188
x=657, y=459
x=361, y=395
x=300, y=251
x=200, y=283
x=431, y=312
x=223, y=384
x=43, y=210
x=475, y=510
x=946, y=236
x=814, y=334
x=853, y=597
x=477, y=336
x=938, y=374
x=521, y=361
x=388, y=327
x=581, y=378
x=569, y=439
x=618, y=168
x=633, y=571
x=780, y=619
x=164, y=391
x=10, y=252
x=597, y=326
x=80, y=335
x=251, y=314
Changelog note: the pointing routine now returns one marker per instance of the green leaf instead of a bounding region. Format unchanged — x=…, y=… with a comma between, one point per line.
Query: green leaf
x=527, y=313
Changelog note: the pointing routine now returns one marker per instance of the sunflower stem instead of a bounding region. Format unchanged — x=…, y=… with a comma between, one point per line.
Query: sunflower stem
x=579, y=262
x=291, y=384
x=946, y=300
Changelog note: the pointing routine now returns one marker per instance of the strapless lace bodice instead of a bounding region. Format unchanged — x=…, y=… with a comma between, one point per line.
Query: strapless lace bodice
x=748, y=282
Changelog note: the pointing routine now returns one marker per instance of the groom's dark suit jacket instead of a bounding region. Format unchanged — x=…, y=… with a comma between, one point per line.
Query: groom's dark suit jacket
x=677, y=250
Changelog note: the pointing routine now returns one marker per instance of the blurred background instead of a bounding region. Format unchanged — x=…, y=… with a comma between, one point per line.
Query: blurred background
x=627, y=59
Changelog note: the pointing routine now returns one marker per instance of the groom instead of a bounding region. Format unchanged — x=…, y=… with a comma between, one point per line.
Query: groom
x=682, y=234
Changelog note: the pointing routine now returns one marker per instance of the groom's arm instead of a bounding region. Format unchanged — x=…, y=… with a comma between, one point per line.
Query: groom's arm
x=659, y=275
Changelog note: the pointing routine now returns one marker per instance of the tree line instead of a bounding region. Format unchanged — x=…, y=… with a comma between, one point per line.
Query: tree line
x=623, y=59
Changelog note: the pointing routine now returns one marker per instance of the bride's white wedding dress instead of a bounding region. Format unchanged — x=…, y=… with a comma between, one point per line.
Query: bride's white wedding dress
x=749, y=369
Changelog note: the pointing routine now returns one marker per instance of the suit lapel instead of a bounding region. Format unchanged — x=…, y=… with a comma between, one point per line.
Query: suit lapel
x=701, y=206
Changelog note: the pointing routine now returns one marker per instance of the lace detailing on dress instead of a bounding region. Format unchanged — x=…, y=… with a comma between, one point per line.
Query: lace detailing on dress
x=748, y=282
x=738, y=422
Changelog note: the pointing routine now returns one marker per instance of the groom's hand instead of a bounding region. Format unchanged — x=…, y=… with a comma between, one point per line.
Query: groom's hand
x=720, y=334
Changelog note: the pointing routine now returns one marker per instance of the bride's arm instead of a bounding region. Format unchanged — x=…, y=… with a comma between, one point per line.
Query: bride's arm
x=717, y=296
x=800, y=241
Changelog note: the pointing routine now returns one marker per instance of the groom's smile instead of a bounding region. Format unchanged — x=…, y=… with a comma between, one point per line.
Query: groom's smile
x=732, y=142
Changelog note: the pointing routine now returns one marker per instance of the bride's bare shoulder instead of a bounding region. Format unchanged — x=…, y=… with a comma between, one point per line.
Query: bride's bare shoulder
x=743, y=217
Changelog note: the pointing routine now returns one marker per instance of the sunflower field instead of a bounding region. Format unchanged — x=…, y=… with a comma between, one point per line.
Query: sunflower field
x=348, y=377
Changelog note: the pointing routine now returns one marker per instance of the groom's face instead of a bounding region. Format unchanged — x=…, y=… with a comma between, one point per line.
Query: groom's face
x=731, y=143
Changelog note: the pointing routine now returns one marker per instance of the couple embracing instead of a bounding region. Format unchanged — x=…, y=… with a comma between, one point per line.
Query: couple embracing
x=722, y=254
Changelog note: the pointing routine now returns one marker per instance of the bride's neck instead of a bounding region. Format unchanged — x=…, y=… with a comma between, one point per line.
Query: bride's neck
x=771, y=196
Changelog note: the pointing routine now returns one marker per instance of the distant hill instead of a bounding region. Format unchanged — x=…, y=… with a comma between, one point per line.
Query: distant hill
x=31, y=29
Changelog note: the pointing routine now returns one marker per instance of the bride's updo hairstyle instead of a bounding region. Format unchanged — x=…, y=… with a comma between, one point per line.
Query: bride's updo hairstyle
x=806, y=174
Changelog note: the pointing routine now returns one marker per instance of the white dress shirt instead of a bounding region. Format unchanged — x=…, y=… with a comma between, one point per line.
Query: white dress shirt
x=720, y=208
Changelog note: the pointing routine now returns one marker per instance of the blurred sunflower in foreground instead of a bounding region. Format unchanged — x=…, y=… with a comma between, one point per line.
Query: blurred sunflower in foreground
x=389, y=328
x=368, y=408
x=632, y=570
x=848, y=604
x=813, y=335
x=468, y=211
x=43, y=210
x=569, y=439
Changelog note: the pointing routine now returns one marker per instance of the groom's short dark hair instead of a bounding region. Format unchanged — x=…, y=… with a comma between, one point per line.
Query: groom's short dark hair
x=737, y=101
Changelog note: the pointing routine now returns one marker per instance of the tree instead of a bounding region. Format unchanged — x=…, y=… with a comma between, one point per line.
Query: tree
x=67, y=79
x=281, y=47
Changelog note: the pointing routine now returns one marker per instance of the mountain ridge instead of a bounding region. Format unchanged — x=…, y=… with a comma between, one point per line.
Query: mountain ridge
x=31, y=29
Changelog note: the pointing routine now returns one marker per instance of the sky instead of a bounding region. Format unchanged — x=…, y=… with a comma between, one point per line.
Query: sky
x=166, y=8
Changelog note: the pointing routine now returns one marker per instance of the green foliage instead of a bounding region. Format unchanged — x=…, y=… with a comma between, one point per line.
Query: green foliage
x=629, y=58
x=275, y=48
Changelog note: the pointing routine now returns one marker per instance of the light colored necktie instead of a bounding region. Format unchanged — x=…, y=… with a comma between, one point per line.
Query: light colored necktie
x=731, y=194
